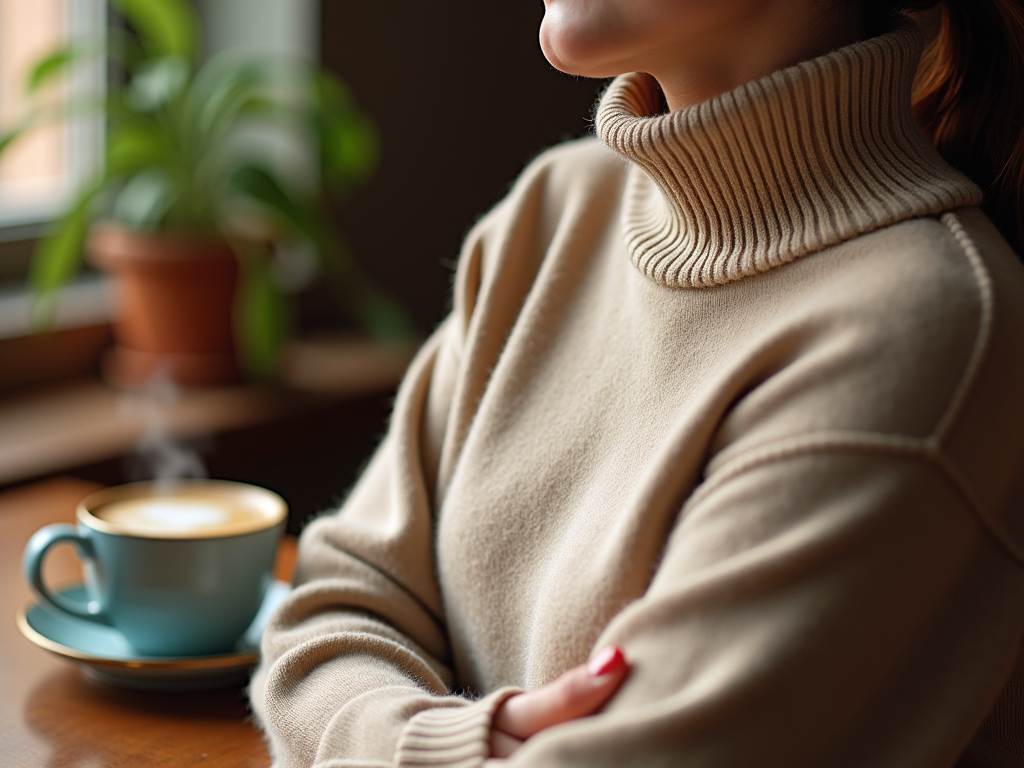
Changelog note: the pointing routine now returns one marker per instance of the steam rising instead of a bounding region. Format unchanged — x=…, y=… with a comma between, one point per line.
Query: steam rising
x=159, y=456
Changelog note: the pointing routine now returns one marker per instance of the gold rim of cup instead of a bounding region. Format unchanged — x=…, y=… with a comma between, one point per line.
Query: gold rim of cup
x=274, y=507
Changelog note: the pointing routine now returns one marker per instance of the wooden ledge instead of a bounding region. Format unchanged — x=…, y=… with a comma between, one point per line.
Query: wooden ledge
x=55, y=428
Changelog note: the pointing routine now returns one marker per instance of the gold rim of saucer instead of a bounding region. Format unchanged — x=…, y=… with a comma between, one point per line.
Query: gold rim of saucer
x=279, y=508
x=236, y=659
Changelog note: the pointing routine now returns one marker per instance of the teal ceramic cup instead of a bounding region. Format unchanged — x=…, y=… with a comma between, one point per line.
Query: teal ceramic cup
x=179, y=571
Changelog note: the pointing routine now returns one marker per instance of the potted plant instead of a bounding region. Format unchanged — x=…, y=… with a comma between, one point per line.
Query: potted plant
x=187, y=215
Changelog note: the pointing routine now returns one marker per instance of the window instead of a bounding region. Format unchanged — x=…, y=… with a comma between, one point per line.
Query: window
x=39, y=172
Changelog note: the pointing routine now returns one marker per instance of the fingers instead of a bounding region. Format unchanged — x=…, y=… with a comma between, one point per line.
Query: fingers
x=579, y=692
x=503, y=745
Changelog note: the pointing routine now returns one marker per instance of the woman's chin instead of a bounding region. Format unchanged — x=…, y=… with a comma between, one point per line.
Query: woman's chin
x=549, y=44
x=573, y=56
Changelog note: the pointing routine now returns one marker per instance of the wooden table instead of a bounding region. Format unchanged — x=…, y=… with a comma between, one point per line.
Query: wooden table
x=51, y=716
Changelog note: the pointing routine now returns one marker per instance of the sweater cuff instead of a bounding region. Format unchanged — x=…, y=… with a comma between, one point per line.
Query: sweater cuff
x=451, y=737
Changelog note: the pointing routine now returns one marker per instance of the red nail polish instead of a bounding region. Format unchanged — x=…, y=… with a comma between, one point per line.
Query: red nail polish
x=607, y=661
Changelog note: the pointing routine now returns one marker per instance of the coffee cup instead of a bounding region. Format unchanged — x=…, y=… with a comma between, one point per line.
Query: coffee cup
x=178, y=571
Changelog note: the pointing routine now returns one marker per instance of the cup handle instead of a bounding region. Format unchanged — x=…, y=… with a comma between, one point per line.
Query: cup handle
x=32, y=564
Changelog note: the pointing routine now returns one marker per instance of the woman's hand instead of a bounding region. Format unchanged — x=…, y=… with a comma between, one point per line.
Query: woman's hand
x=579, y=692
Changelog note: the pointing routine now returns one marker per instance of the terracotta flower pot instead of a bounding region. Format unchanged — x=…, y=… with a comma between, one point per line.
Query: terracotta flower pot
x=175, y=297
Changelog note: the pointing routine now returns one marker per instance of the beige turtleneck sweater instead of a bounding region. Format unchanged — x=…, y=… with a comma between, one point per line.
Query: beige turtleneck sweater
x=737, y=388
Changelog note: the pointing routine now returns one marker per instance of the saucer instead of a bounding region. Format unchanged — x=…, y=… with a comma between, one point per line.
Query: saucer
x=105, y=655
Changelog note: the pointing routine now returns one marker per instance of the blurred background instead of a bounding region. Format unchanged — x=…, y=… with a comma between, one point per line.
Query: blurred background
x=461, y=99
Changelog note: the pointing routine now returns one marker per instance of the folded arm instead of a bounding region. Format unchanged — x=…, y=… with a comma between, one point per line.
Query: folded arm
x=839, y=607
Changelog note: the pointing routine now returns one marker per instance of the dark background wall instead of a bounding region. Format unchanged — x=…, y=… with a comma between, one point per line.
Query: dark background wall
x=464, y=99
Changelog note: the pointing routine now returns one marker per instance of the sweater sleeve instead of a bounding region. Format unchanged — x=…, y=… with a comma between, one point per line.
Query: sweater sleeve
x=821, y=602
x=355, y=667
x=360, y=646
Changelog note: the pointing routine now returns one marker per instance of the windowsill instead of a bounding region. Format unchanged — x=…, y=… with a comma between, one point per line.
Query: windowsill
x=83, y=303
x=81, y=422
x=69, y=349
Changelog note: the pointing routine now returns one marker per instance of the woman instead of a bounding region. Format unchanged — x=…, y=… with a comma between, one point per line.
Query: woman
x=728, y=403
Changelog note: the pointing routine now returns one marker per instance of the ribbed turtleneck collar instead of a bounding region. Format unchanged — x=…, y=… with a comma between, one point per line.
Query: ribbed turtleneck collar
x=797, y=161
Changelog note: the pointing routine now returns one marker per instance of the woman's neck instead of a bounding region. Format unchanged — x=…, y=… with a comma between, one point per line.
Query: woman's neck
x=767, y=41
x=780, y=167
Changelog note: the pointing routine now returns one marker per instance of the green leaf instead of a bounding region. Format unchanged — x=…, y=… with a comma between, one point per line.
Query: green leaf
x=331, y=94
x=145, y=199
x=223, y=83
x=349, y=141
x=40, y=116
x=157, y=82
x=51, y=67
x=57, y=257
x=8, y=138
x=261, y=313
x=166, y=27
x=56, y=63
x=384, y=318
x=261, y=186
x=349, y=150
x=123, y=48
x=263, y=109
x=381, y=315
x=135, y=146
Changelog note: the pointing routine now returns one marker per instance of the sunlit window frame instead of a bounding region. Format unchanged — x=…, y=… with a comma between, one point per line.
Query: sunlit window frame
x=82, y=135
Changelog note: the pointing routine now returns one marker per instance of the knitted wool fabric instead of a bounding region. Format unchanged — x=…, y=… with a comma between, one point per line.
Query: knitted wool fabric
x=736, y=389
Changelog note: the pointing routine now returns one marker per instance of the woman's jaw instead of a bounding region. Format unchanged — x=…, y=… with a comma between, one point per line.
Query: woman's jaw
x=696, y=49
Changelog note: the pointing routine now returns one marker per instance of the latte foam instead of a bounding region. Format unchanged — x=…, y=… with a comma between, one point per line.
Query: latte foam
x=183, y=516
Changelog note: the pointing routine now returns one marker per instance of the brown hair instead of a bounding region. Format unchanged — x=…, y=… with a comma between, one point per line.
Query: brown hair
x=969, y=97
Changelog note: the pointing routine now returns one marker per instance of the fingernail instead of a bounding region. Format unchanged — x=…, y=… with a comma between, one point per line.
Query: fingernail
x=607, y=661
